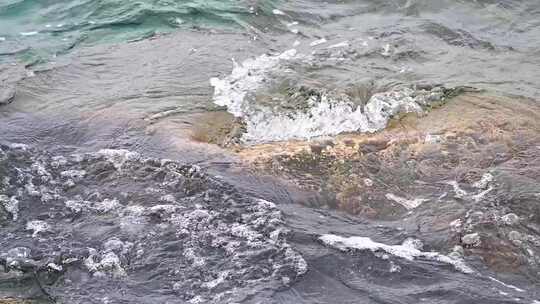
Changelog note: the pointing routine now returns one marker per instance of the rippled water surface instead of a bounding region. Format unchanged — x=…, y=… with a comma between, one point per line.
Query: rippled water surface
x=112, y=189
x=39, y=30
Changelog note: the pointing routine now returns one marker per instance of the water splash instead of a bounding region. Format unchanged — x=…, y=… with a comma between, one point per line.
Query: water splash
x=322, y=113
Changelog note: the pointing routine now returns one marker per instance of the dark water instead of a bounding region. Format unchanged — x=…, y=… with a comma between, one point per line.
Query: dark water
x=116, y=227
x=136, y=76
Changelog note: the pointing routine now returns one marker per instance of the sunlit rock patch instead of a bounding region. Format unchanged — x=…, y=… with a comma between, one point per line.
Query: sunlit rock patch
x=110, y=225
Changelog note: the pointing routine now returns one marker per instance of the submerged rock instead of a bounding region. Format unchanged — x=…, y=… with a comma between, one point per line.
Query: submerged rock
x=475, y=185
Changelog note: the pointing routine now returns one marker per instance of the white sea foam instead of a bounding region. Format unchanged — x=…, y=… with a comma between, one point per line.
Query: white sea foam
x=329, y=118
x=73, y=173
x=407, y=203
x=278, y=12
x=339, y=45
x=214, y=283
x=408, y=250
x=18, y=146
x=14, y=256
x=99, y=265
x=11, y=205
x=292, y=23
x=327, y=114
x=507, y=285
x=106, y=205
x=118, y=157
x=318, y=42
x=394, y=267
x=246, y=77
x=480, y=196
x=55, y=267
x=459, y=193
x=37, y=226
x=386, y=50
x=484, y=182
x=29, y=33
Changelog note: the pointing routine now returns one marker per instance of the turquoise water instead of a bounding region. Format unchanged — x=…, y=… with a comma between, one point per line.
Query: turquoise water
x=35, y=31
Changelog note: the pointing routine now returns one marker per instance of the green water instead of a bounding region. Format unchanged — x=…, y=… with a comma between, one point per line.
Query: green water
x=37, y=30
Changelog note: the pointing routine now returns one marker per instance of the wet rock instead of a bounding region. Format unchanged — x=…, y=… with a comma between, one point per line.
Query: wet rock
x=329, y=143
x=14, y=301
x=472, y=239
x=373, y=146
x=499, y=255
x=219, y=128
x=373, y=164
x=317, y=148
x=480, y=176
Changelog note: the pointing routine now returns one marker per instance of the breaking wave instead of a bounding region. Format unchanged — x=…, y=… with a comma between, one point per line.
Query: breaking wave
x=320, y=112
x=113, y=226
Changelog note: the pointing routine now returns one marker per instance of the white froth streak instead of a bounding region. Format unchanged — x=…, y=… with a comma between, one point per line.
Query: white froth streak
x=507, y=285
x=457, y=190
x=29, y=33
x=339, y=45
x=405, y=251
x=318, y=42
x=408, y=204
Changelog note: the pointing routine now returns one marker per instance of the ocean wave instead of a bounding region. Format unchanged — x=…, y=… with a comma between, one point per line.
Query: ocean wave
x=50, y=28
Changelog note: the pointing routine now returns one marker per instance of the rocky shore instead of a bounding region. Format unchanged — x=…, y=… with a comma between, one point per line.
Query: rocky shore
x=466, y=175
